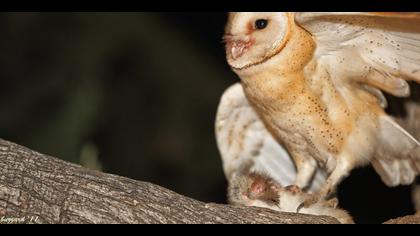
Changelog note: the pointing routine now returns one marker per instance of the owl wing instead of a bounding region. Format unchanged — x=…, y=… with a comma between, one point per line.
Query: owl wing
x=381, y=52
x=245, y=143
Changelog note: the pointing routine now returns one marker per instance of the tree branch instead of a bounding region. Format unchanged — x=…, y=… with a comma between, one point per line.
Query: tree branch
x=35, y=188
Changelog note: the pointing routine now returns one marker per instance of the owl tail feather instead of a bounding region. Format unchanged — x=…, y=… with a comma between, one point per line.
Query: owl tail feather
x=397, y=158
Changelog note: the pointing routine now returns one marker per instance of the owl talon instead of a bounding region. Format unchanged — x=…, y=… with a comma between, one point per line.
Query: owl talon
x=308, y=202
x=293, y=189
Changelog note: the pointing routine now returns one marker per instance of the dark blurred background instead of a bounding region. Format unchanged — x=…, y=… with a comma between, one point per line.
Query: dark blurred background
x=135, y=94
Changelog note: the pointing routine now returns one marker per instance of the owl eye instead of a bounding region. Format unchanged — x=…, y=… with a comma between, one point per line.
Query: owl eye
x=261, y=24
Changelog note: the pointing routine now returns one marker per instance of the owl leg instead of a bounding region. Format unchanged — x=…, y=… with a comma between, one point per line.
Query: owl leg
x=341, y=171
x=306, y=167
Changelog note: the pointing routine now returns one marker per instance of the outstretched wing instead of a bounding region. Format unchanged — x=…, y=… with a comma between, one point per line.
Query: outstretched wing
x=244, y=142
x=381, y=50
x=376, y=52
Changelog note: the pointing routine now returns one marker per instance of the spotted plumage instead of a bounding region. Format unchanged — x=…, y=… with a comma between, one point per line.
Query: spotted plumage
x=313, y=83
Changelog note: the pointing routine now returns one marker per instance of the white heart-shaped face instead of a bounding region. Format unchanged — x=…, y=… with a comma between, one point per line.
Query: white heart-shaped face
x=253, y=37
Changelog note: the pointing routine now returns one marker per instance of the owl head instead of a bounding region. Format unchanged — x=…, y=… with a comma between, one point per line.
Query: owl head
x=253, y=37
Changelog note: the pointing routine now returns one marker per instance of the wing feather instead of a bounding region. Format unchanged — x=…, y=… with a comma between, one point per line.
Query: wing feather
x=383, y=49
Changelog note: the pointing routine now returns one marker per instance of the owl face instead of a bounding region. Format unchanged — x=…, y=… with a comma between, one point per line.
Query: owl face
x=253, y=37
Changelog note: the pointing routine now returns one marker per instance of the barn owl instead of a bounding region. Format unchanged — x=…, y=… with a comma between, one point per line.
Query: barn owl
x=313, y=83
x=259, y=190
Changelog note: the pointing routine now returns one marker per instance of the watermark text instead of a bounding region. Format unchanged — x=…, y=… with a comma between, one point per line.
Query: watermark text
x=18, y=220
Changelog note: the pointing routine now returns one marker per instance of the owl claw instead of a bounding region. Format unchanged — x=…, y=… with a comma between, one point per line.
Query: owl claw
x=312, y=199
x=293, y=189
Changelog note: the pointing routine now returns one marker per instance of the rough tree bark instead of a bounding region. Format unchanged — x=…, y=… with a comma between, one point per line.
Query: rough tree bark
x=35, y=188
x=413, y=219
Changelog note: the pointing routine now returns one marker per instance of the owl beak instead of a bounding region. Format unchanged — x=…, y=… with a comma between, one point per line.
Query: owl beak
x=238, y=47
